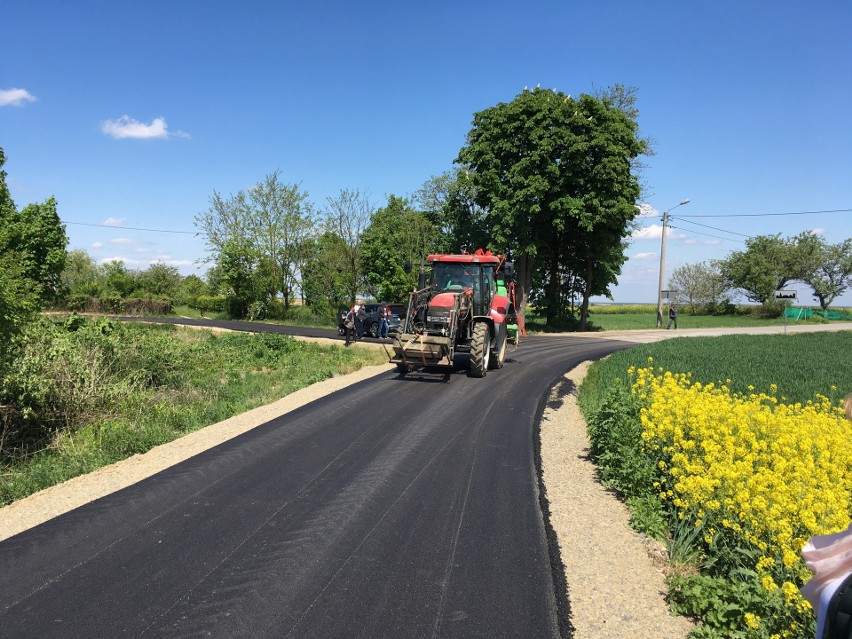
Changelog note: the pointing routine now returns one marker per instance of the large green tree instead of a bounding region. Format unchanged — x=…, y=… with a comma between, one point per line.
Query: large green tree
x=546, y=167
x=766, y=265
x=396, y=234
x=42, y=240
x=37, y=237
x=271, y=223
x=324, y=282
x=826, y=268
x=80, y=275
x=116, y=279
x=281, y=218
x=32, y=257
x=160, y=280
x=346, y=216
x=448, y=202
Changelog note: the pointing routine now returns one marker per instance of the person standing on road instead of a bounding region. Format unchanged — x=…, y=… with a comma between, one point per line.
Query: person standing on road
x=384, y=324
x=672, y=316
x=349, y=326
x=362, y=320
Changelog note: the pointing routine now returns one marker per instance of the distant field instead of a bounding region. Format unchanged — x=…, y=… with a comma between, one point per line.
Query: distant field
x=615, y=317
x=627, y=321
x=801, y=365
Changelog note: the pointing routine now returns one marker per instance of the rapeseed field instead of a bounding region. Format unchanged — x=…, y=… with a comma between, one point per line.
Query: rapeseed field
x=739, y=479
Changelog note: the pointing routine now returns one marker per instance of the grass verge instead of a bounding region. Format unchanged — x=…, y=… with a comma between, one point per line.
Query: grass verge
x=146, y=385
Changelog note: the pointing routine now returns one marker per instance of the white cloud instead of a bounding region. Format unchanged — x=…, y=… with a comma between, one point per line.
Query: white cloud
x=114, y=221
x=172, y=262
x=690, y=241
x=15, y=97
x=644, y=256
x=712, y=242
x=818, y=231
x=142, y=264
x=646, y=210
x=127, y=127
x=120, y=240
x=97, y=245
x=653, y=232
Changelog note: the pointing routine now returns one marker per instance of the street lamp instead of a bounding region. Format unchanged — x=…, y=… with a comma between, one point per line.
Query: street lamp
x=663, y=264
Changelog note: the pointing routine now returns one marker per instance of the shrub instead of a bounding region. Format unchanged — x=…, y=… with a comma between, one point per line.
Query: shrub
x=111, y=304
x=142, y=307
x=213, y=303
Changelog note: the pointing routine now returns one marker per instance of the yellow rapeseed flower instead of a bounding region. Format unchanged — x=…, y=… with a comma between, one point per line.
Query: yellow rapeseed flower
x=765, y=474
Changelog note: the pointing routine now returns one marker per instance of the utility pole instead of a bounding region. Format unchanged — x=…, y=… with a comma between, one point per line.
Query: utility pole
x=663, y=264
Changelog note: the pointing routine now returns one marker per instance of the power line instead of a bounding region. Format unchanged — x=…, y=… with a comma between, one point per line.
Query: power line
x=131, y=228
x=709, y=227
x=728, y=239
x=768, y=214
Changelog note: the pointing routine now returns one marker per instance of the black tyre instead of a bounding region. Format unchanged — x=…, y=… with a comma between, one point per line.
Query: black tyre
x=402, y=368
x=480, y=350
x=499, y=355
x=374, y=329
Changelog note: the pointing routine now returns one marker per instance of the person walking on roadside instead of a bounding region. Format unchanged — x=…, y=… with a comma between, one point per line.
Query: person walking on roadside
x=349, y=326
x=361, y=320
x=384, y=324
x=672, y=316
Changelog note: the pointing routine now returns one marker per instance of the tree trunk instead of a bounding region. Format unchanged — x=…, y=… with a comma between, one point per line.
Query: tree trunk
x=587, y=293
x=554, y=305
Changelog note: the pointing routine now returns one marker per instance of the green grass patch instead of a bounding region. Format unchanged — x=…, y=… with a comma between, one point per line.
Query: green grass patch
x=800, y=364
x=633, y=321
x=623, y=317
x=148, y=385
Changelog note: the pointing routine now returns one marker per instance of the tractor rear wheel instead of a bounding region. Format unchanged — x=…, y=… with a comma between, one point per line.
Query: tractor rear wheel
x=480, y=350
x=500, y=355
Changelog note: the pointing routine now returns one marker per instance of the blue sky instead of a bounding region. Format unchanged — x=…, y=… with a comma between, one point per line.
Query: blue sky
x=131, y=114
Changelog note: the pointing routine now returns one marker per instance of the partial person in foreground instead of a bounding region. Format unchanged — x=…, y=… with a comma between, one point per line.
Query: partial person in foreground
x=829, y=591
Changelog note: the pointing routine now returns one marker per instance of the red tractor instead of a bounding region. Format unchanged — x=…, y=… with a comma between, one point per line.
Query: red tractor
x=467, y=307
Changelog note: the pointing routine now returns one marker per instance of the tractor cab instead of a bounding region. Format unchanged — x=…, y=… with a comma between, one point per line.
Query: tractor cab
x=476, y=279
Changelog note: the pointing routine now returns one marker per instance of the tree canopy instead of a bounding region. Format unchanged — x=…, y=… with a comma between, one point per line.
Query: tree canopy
x=396, y=234
x=556, y=179
x=32, y=257
x=270, y=223
x=826, y=268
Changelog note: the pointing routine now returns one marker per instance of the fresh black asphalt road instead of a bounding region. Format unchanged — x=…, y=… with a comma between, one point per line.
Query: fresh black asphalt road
x=397, y=507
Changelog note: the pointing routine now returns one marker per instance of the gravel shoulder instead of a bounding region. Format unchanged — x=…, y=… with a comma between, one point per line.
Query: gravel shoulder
x=615, y=582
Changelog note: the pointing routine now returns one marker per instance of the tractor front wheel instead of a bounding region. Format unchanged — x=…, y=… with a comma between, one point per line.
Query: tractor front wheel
x=480, y=350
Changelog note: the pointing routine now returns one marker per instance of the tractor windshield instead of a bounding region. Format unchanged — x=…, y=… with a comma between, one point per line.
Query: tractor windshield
x=454, y=277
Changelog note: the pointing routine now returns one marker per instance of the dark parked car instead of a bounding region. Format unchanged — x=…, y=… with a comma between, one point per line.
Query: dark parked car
x=372, y=321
